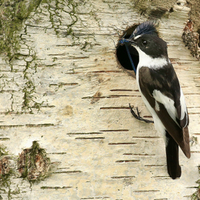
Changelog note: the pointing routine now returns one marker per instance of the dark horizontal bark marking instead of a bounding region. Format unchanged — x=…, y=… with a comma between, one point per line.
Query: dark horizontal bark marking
x=90, y=138
x=162, y=198
x=40, y=125
x=11, y=126
x=154, y=165
x=9, y=91
x=195, y=94
x=122, y=143
x=72, y=57
x=88, y=198
x=50, y=65
x=139, y=154
x=48, y=106
x=148, y=116
x=89, y=133
x=106, y=71
x=124, y=95
x=16, y=113
x=126, y=161
x=122, y=90
x=62, y=84
x=145, y=137
x=190, y=113
x=5, y=71
x=110, y=96
x=58, y=153
x=73, y=72
x=57, y=54
x=195, y=151
x=92, y=97
x=193, y=187
x=122, y=177
x=146, y=191
x=162, y=177
x=66, y=45
x=55, y=187
x=196, y=133
x=3, y=139
x=193, y=107
x=67, y=172
x=115, y=130
x=105, y=108
x=27, y=125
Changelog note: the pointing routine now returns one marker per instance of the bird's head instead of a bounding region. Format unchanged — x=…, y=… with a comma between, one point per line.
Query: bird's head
x=143, y=45
x=150, y=44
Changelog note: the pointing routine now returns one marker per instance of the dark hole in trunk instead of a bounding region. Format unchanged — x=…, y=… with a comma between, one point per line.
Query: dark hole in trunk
x=121, y=50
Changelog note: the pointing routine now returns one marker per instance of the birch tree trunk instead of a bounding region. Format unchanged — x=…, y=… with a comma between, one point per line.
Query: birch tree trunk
x=61, y=86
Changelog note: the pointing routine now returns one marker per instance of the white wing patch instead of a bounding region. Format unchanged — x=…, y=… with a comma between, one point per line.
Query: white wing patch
x=183, y=108
x=167, y=102
x=183, y=105
x=157, y=107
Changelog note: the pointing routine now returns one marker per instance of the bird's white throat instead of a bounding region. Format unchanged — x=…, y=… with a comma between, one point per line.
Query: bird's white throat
x=147, y=61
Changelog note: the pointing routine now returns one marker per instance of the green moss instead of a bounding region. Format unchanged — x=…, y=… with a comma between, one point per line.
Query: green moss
x=196, y=195
x=56, y=8
x=3, y=151
x=12, y=15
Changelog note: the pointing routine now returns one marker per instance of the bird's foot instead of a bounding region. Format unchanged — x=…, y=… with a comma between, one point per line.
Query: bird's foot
x=137, y=116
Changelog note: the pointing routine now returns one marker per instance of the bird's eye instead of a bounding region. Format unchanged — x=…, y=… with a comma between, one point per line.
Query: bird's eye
x=144, y=42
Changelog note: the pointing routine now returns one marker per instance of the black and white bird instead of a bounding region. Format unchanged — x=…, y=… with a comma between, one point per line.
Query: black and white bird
x=161, y=93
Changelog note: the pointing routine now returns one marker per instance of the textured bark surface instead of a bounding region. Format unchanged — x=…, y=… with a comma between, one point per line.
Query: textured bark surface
x=63, y=88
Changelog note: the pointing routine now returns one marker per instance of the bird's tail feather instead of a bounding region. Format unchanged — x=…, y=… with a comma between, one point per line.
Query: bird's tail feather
x=172, y=154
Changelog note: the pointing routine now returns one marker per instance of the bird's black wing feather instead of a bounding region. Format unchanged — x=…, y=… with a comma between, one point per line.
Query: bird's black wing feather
x=166, y=81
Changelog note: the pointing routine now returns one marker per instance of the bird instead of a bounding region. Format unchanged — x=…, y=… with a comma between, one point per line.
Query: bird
x=161, y=93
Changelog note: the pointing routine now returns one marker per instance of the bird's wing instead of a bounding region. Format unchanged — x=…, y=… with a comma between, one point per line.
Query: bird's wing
x=161, y=89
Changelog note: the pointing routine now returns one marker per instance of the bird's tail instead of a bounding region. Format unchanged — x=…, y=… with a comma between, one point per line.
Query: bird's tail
x=172, y=154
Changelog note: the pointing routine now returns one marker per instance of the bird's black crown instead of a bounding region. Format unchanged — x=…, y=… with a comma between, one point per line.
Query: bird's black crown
x=148, y=27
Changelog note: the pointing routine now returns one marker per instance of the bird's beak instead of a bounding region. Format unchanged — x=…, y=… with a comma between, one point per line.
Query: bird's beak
x=133, y=42
x=128, y=41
